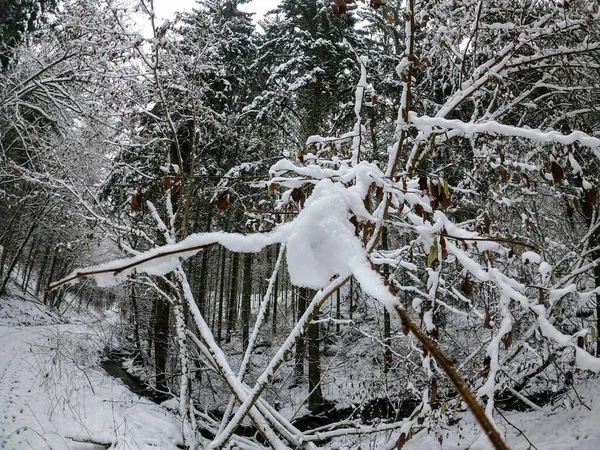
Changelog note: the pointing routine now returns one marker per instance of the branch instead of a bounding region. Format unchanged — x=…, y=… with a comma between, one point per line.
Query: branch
x=116, y=271
x=458, y=382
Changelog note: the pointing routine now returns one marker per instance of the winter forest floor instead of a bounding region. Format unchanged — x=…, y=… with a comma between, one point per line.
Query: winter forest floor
x=54, y=395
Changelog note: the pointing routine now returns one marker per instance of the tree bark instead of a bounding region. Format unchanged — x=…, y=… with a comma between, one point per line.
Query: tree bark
x=275, y=295
x=387, y=351
x=42, y=272
x=315, y=394
x=232, y=303
x=17, y=255
x=203, y=283
x=221, y=295
x=246, y=299
x=300, y=350
x=161, y=343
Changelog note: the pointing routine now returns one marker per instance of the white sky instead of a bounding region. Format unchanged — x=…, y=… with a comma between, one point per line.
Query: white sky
x=166, y=8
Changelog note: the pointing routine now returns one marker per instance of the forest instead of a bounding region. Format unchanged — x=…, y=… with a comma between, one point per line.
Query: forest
x=345, y=224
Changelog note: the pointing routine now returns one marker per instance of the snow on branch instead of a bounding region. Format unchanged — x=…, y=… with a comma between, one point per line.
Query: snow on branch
x=321, y=243
x=428, y=124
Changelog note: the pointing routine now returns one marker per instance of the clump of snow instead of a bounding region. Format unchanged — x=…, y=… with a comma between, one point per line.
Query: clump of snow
x=545, y=270
x=532, y=257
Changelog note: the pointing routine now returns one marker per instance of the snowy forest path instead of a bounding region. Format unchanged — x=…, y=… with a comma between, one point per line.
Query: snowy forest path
x=53, y=397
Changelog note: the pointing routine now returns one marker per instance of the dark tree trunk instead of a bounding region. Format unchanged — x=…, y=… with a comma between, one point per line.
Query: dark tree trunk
x=338, y=313
x=246, y=299
x=48, y=295
x=42, y=272
x=232, y=303
x=275, y=295
x=3, y=260
x=351, y=299
x=300, y=350
x=203, y=283
x=136, y=323
x=594, y=241
x=221, y=296
x=17, y=255
x=315, y=395
x=161, y=343
x=387, y=340
x=32, y=257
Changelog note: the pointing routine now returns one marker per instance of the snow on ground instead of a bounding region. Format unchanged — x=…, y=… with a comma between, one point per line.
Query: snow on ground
x=18, y=310
x=566, y=425
x=54, y=396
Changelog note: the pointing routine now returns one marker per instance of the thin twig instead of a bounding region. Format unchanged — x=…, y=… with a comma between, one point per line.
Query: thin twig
x=516, y=428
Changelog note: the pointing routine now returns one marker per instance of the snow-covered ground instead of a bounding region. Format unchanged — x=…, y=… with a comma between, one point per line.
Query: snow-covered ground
x=54, y=396
x=572, y=423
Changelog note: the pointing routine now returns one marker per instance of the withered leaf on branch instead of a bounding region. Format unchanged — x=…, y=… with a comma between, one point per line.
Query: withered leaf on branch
x=340, y=7
x=466, y=285
x=354, y=221
x=487, y=222
x=166, y=181
x=570, y=211
x=486, y=366
x=401, y=441
x=443, y=247
x=223, y=201
x=507, y=340
x=176, y=188
x=591, y=196
x=419, y=210
x=503, y=173
x=136, y=200
x=487, y=319
x=423, y=183
x=433, y=391
x=135, y=206
x=557, y=172
x=299, y=196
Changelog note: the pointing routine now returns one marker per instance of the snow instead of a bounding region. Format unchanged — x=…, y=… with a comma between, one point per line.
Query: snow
x=53, y=395
x=545, y=270
x=532, y=257
x=564, y=425
x=427, y=124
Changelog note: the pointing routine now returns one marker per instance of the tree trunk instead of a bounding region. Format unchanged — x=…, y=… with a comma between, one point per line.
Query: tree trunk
x=42, y=272
x=387, y=340
x=202, y=285
x=221, y=295
x=31, y=264
x=17, y=255
x=136, y=324
x=3, y=260
x=351, y=299
x=338, y=313
x=300, y=350
x=47, y=296
x=246, y=299
x=590, y=211
x=315, y=395
x=275, y=295
x=232, y=303
x=161, y=343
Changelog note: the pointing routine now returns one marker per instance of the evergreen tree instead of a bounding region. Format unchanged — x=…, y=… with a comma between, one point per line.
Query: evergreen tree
x=308, y=54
